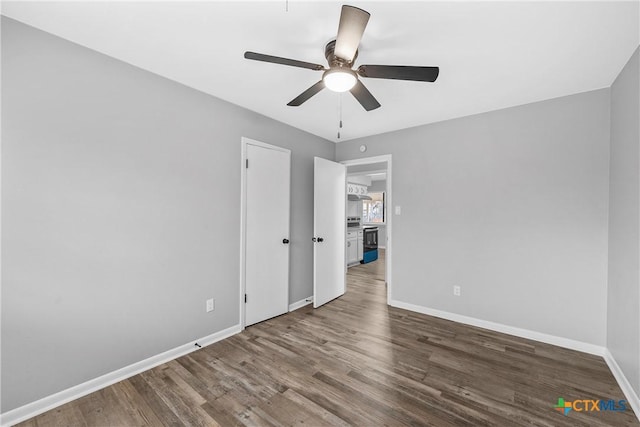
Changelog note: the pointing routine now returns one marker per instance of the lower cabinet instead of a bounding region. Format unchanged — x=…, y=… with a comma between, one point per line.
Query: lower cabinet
x=352, y=247
x=360, y=246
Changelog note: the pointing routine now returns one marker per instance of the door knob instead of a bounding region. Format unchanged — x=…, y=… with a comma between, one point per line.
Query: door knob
x=320, y=240
x=285, y=241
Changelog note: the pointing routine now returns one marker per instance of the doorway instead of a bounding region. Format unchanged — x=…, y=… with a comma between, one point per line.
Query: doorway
x=377, y=173
x=265, y=206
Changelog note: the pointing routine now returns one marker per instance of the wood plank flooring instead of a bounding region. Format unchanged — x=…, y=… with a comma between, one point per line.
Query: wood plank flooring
x=357, y=361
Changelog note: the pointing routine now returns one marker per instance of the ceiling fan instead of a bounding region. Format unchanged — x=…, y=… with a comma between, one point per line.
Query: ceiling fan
x=341, y=54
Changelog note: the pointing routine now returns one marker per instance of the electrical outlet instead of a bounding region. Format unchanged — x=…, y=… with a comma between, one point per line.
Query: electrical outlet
x=456, y=291
x=210, y=305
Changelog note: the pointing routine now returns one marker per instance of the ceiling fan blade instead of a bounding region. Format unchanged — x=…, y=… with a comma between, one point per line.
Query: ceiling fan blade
x=282, y=61
x=353, y=21
x=399, y=72
x=304, y=96
x=364, y=97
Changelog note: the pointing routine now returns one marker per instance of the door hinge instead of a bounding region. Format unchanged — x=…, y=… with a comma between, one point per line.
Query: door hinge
x=246, y=164
x=245, y=298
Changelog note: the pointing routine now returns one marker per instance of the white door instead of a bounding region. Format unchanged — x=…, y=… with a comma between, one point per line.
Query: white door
x=329, y=230
x=267, y=232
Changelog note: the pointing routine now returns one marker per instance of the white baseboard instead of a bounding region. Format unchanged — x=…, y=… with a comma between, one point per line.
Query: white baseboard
x=47, y=403
x=621, y=379
x=299, y=304
x=623, y=382
x=30, y=410
x=505, y=329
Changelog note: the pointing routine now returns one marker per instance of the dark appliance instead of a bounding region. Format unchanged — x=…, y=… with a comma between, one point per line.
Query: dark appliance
x=370, y=242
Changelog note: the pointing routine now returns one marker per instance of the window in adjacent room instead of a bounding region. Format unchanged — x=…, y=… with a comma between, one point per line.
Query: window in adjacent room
x=373, y=210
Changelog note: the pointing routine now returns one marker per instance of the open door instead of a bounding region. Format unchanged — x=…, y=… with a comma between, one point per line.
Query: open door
x=329, y=230
x=266, y=247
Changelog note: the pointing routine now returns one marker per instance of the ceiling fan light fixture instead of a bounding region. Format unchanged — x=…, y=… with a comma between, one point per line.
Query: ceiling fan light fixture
x=339, y=79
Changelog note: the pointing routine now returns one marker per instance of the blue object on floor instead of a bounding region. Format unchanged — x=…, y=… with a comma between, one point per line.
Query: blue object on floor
x=370, y=256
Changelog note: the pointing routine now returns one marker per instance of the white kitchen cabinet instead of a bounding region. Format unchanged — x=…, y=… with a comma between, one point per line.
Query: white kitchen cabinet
x=352, y=247
x=360, y=245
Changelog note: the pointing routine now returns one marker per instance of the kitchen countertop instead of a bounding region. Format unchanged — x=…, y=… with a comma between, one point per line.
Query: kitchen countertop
x=362, y=227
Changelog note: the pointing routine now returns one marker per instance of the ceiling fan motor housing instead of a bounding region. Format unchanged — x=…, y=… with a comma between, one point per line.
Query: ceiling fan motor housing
x=333, y=60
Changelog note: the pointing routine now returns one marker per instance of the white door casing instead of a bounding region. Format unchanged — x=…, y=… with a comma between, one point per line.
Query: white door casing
x=329, y=228
x=388, y=214
x=267, y=182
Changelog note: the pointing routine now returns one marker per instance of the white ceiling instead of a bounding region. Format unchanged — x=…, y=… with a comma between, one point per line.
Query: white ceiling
x=491, y=55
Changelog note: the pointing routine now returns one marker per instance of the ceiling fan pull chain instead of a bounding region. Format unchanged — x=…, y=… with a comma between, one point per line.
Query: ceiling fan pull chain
x=340, y=109
x=339, y=113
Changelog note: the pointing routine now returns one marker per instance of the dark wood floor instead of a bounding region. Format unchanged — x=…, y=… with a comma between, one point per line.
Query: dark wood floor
x=357, y=361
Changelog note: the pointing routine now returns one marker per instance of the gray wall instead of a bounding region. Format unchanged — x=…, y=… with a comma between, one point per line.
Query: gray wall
x=623, y=319
x=512, y=206
x=121, y=212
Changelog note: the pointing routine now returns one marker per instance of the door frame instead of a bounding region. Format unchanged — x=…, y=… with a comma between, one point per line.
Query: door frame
x=243, y=222
x=385, y=158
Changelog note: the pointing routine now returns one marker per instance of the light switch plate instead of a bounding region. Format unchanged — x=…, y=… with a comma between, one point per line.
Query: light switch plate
x=398, y=210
